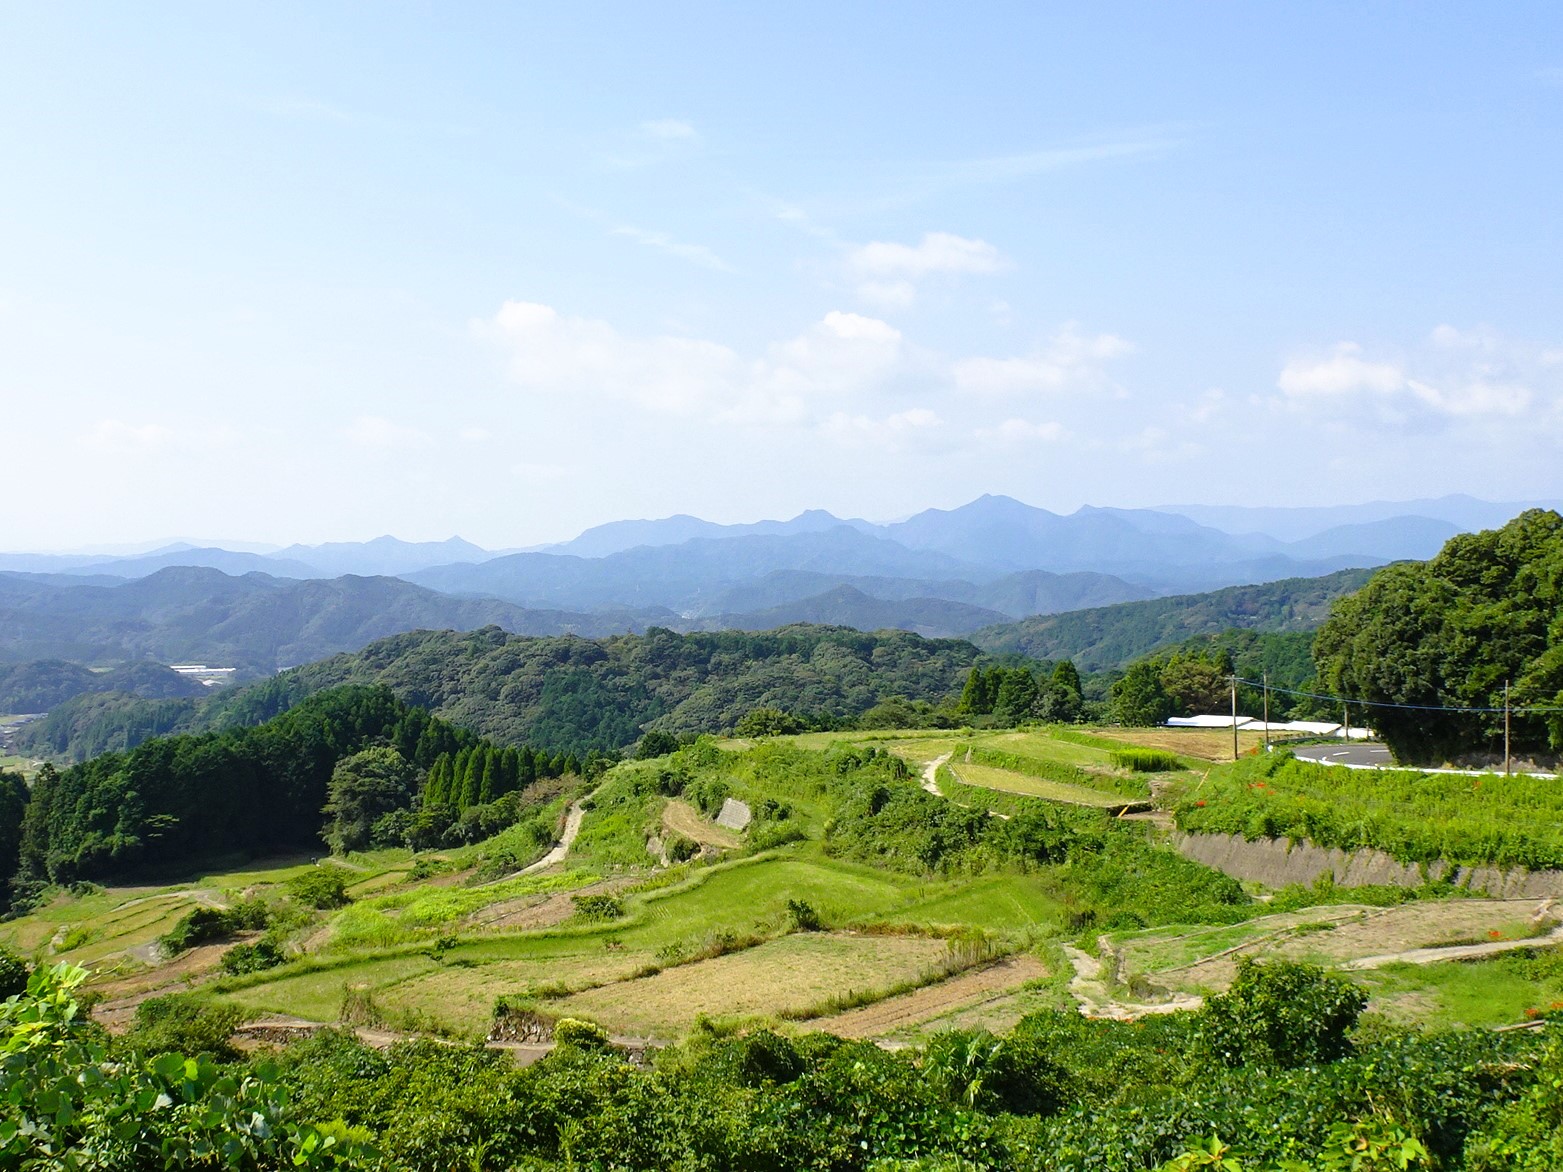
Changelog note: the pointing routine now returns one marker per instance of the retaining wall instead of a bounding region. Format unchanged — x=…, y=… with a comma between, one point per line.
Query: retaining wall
x=1277, y=862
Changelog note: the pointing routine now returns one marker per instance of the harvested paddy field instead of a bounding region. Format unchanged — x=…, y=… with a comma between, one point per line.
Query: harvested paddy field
x=964, y=991
x=682, y=818
x=988, y=777
x=776, y=978
x=1203, y=961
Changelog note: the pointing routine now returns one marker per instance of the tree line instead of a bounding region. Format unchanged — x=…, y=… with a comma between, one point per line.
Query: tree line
x=256, y=790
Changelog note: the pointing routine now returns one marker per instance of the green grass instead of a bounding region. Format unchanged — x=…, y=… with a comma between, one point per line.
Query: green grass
x=998, y=903
x=1415, y=817
x=1476, y=994
x=987, y=777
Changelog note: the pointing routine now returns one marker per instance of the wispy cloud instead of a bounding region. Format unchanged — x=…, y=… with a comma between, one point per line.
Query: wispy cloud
x=668, y=130
x=697, y=254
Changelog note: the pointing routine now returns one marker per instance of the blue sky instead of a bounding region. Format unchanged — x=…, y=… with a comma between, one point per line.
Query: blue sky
x=319, y=272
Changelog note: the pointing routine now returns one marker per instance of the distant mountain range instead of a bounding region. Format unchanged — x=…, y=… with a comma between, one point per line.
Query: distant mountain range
x=942, y=572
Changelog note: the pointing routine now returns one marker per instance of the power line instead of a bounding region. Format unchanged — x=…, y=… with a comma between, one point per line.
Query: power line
x=1389, y=704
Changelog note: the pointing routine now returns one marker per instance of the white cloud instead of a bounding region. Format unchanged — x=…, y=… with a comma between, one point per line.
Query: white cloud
x=1343, y=372
x=1070, y=360
x=1464, y=374
x=115, y=436
x=839, y=356
x=886, y=272
x=552, y=353
x=668, y=129
x=891, y=431
x=889, y=294
x=938, y=252
x=379, y=433
x=474, y=435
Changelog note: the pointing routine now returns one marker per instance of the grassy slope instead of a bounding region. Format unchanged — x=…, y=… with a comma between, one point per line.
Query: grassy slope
x=434, y=954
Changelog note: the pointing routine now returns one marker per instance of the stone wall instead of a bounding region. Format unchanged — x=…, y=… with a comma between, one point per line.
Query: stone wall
x=1276, y=862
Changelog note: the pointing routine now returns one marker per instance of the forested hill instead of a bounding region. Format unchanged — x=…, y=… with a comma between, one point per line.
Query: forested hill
x=581, y=694
x=1112, y=636
x=256, y=623
x=566, y=693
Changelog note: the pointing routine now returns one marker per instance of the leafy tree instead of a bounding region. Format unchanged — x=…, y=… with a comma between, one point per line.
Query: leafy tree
x=364, y=788
x=1138, y=698
x=767, y=722
x=13, y=805
x=1281, y=1014
x=656, y=743
x=1448, y=633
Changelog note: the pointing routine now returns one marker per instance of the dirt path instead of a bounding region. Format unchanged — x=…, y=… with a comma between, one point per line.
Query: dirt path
x=931, y=775
x=572, y=827
x=1089, y=987
x=966, y=990
x=1453, y=952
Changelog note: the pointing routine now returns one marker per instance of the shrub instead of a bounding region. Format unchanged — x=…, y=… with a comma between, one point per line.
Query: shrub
x=1146, y=760
x=804, y=917
x=183, y=1022
x=598, y=907
x=1281, y=1014
x=323, y=888
x=204, y=924
x=13, y=973
x=252, y=958
x=680, y=847
x=574, y=1033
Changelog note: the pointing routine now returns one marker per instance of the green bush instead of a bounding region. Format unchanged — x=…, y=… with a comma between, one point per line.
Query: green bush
x=1146, y=760
x=324, y=888
x=204, y=924
x=185, y=1022
x=572, y=1032
x=13, y=973
x=69, y=1105
x=598, y=907
x=252, y=958
x=1281, y=1014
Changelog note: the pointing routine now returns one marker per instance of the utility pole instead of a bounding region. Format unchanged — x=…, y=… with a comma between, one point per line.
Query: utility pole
x=1508, y=767
x=1264, y=684
x=1234, y=717
x=1345, y=721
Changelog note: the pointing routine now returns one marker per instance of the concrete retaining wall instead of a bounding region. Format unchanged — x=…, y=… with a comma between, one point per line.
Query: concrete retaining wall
x=1276, y=862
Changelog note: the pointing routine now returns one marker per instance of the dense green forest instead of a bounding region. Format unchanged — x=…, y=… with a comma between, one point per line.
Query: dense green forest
x=1194, y=677
x=1449, y=633
x=263, y=789
x=568, y=693
x=1114, y=636
x=40, y=685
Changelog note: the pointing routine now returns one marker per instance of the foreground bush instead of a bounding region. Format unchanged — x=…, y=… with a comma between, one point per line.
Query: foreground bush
x=68, y=1106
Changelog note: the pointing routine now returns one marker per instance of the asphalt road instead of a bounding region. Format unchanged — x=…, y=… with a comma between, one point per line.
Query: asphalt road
x=1360, y=753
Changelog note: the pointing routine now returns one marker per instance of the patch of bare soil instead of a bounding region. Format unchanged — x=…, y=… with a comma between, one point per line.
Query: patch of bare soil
x=965, y=990
x=682, y=818
x=1445, y=929
x=122, y=994
x=542, y=910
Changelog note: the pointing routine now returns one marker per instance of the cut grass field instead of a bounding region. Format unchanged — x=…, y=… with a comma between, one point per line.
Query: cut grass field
x=779, y=977
x=1009, y=781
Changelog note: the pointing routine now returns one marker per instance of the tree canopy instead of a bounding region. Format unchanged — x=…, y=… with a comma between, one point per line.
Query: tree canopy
x=1441, y=638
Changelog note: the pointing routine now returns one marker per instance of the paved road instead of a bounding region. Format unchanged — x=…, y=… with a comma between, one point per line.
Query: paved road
x=1361, y=753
